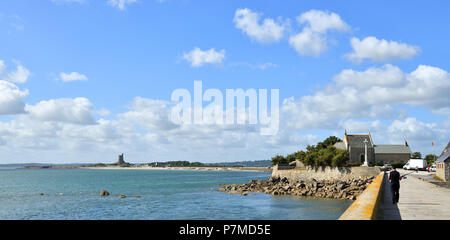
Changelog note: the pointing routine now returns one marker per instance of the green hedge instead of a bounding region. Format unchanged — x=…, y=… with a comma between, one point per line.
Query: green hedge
x=397, y=164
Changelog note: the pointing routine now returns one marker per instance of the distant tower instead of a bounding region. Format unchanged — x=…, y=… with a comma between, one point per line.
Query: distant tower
x=120, y=160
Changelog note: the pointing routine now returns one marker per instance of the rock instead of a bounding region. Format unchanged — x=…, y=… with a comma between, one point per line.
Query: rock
x=329, y=188
x=41, y=194
x=103, y=192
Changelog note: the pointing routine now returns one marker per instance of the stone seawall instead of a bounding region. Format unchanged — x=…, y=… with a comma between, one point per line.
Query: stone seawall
x=326, y=173
x=366, y=205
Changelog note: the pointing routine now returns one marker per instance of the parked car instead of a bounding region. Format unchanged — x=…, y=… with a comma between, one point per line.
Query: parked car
x=386, y=167
x=432, y=168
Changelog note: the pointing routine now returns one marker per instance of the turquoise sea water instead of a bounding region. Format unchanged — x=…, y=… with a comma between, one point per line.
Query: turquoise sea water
x=74, y=194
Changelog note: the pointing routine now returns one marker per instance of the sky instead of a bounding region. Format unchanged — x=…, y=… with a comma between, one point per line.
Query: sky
x=82, y=81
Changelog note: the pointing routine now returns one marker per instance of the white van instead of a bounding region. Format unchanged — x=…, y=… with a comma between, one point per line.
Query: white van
x=413, y=164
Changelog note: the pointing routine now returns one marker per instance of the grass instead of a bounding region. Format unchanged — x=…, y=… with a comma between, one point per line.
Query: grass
x=438, y=178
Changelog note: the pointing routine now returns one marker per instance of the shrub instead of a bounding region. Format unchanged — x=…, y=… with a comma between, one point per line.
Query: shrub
x=438, y=178
x=397, y=164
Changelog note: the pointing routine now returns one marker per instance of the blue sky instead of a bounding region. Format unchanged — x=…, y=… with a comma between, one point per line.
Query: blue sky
x=133, y=56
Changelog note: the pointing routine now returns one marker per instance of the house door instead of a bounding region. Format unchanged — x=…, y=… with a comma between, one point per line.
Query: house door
x=362, y=158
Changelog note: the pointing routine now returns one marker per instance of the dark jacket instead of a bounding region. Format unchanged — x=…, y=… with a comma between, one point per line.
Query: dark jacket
x=394, y=177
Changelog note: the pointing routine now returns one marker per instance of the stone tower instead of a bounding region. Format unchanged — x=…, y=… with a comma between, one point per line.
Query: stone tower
x=120, y=159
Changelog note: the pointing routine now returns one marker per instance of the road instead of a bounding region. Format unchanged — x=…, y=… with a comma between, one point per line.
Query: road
x=419, y=200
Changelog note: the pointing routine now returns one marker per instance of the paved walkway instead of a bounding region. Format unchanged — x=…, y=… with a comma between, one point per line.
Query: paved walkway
x=419, y=200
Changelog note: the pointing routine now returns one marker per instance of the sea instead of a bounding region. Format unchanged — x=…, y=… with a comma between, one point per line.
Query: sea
x=150, y=194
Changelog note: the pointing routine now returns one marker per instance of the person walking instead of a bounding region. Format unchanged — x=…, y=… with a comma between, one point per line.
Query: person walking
x=394, y=177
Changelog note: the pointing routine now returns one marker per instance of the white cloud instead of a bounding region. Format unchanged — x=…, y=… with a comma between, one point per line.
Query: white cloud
x=386, y=76
x=369, y=93
x=322, y=21
x=412, y=129
x=20, y=75
x=267, y=32
x=355, y=100
x=11, y=98
x=308, y=43
x=198, y=58
x=73, y=76
x=312, y=41
x=380, y=50
x=419, y=134
x=353, y=126
x=77, y=111
x=120, y=4
x=2, y=67
x=150, y=114
x=144, y=131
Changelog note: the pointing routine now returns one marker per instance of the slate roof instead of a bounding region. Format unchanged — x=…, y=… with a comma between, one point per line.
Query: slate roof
x=358, y=140
x=446, y=149
x=398, y=149
x=445, y=155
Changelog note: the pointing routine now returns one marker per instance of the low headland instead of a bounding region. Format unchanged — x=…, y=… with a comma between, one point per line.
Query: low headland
x=248, y=166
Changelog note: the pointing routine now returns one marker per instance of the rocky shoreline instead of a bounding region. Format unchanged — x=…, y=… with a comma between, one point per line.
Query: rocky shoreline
x=337, y=189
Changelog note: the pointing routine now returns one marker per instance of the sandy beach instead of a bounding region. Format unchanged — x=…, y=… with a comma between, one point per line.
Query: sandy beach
x=237, y=169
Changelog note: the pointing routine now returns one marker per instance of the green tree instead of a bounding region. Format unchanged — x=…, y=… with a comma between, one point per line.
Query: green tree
x=310, y=159
x=310, y=148
x=430, y=159
x=340, y=159
x=300, y=155
x=330, y=141
x=279, y=159
x=416, y=155
x=290, y=157
x=320, y=155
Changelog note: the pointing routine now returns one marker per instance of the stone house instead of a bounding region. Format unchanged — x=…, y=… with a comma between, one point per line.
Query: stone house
x=355, y=144
x=443, y=164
